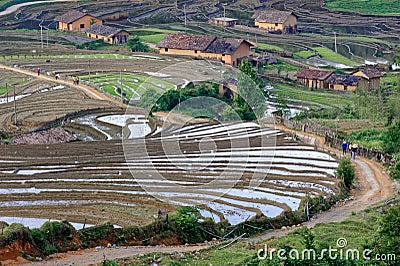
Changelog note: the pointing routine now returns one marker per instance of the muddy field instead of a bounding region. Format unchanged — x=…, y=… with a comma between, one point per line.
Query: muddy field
x=38, y=102
x=260, y=172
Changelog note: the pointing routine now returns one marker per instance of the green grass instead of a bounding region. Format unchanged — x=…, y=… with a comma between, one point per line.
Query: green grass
x=155, y=30
x=154, y=38
x=265, y=46
x=312, y=98
x=358, y=230
x=391, y=81
x=370, y=138
x=73, y=56
x=283, y=66
x=131, y=82
x=349, y=38
x=305, y=54
x=3, y=89
x=384, y=7
x=334, y=57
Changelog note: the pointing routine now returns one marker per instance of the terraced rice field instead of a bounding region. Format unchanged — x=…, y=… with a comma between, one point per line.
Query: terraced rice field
x=38, y=102
x=247, y=170
x=133, y=84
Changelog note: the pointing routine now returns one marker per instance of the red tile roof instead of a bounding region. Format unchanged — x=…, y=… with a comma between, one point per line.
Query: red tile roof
x=71, y=16
x=186, y=41
x=314, y=74
x=371, y=72
x=202, y=43
x=348, y=80
x=273, y=16
x=103, y=30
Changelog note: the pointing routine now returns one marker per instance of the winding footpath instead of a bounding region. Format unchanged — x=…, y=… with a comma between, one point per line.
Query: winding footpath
x=89, y=91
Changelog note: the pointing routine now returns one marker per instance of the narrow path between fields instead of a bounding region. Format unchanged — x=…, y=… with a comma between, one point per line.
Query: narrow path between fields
x=89, y=91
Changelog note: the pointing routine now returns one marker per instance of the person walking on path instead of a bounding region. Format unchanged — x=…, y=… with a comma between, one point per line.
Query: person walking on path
x=354, y=151
x=344, y=147
x=351, y=149
x=57, y=76
x=38, y=71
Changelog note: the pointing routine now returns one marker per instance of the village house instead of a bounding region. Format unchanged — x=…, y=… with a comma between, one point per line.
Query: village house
x=276, y=21
x=76, y=21
x=313, y=78
x=339, y=82
x=227, y=50
x=371, y=78
x=224, y=22
x=108, y=34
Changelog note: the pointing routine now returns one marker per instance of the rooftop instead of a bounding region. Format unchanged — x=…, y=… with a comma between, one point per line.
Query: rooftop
x=348, y=80
x=71, y=16
x=273, y=16
x=103, y=30
x=203, y=43
x=314, y=74
x=371, y=72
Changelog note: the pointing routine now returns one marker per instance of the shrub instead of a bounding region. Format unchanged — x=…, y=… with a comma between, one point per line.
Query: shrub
x=346, y=171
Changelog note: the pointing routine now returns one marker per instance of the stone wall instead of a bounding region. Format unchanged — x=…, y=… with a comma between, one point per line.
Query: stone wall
x=333, y=141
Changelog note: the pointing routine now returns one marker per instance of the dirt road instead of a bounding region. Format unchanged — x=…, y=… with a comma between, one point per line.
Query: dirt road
x=95, y=256
x=91, y=92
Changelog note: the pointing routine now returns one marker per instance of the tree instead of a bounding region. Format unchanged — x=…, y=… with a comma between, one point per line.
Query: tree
x=149, y=98
x=346, y=171
x=135, y=45
x=249, y=101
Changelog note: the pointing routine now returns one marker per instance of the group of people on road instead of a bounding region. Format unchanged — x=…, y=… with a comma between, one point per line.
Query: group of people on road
x=352, y=147
x=57, y=76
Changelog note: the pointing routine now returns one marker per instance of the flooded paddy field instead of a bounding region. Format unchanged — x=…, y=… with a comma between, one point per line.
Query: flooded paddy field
x=232, y=171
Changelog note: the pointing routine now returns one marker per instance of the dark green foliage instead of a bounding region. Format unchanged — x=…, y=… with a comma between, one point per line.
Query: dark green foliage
x=149, y=98
x=135, y=45
x=95, y=234
x=392, y=138
x=96, y=45
x=108, y=263
x=387, y=236
x=346, y=171
x=249, y=102
x=186, y=224
x=308, y=238
x=192, y=98
x=54, y=237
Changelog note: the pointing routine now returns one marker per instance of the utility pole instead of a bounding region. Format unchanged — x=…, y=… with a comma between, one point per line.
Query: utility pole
x=7, y=92
x=120, y=85
x=15, y=108
x=335, y=42
x=223, y=5
x=184, y=11
x=41, y=33
x=89, y=68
